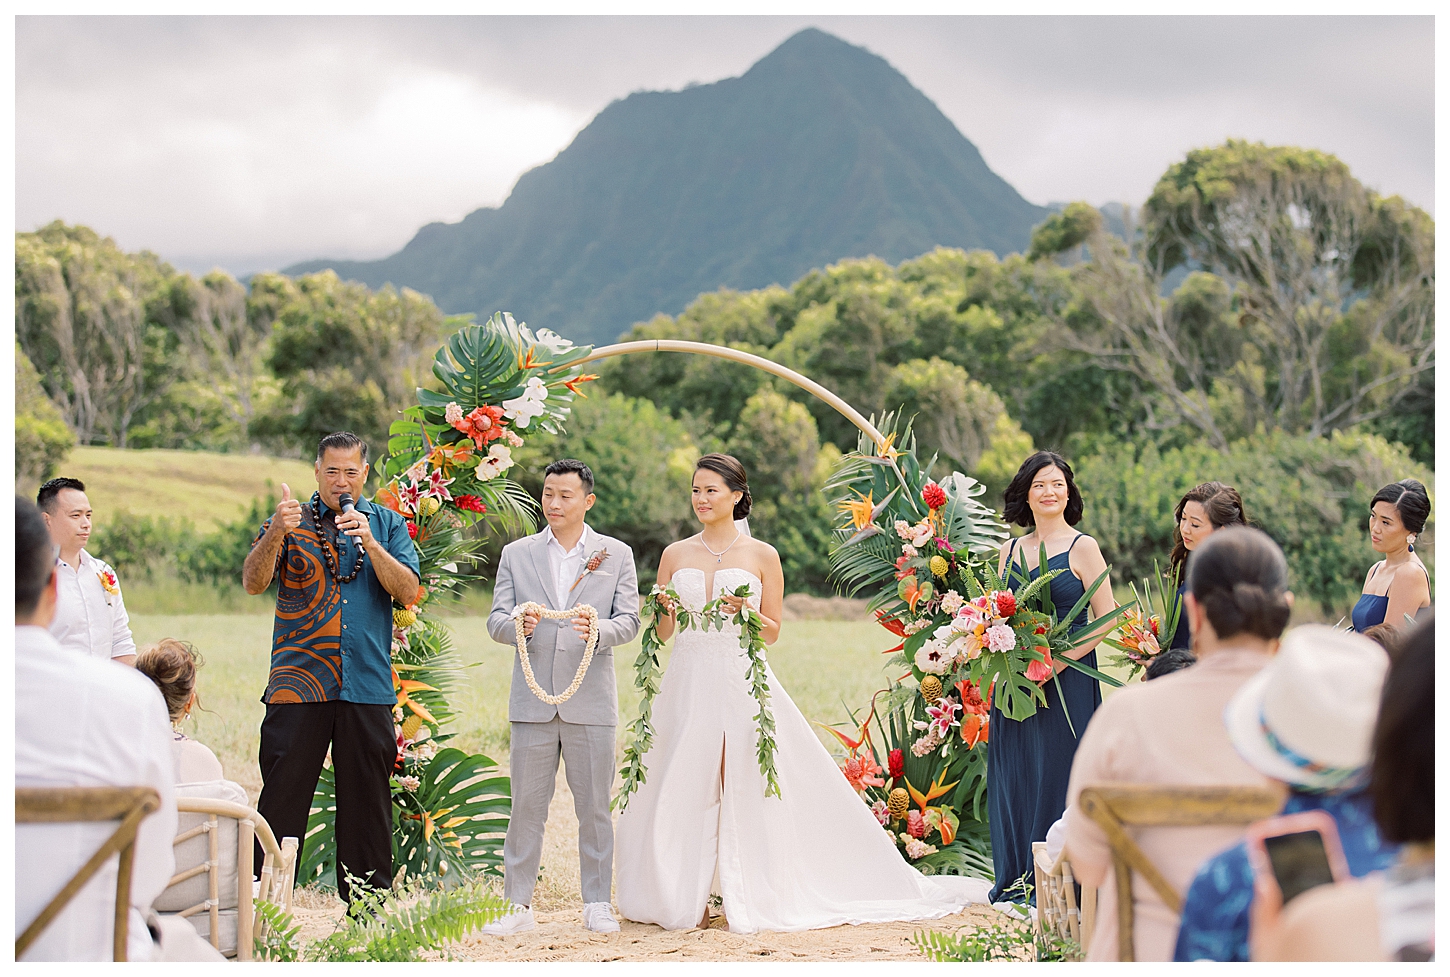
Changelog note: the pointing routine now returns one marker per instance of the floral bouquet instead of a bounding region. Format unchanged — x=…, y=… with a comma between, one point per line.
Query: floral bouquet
x=1148, y=624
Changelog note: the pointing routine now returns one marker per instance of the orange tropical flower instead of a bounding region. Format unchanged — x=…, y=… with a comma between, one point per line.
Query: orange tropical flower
x=446, y=456
x=860, y=509
x=405, y=689
x=937, y=789
x=575, y=383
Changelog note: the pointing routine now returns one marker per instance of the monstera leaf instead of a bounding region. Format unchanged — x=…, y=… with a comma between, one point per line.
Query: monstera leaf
x=451, y=829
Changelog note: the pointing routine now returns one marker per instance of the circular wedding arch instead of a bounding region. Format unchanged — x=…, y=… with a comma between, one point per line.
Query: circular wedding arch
x=739, y=356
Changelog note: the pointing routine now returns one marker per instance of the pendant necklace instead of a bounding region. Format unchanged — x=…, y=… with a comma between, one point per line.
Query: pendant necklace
x=721, y=555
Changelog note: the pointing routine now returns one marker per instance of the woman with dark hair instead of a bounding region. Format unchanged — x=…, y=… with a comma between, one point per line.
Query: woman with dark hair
x=1171, y=731
x=1399, y=585
x=1028, y=762
x=1390, y=915
x=1202, y=510
x=701, y=822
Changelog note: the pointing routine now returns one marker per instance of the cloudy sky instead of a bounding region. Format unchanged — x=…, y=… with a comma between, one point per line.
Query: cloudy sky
x=249, y=143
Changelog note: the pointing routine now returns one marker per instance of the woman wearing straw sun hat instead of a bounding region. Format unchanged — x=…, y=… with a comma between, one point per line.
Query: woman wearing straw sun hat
x=1307, y=721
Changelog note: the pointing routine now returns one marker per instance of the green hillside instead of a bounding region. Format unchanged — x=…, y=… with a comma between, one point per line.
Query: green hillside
x=819, y=152
x=205, y=487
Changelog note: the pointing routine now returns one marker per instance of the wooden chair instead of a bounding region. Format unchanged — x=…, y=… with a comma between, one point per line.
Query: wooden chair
x=67, y=805
x=209, y=817
x=1116, y=808
x=1057, y=903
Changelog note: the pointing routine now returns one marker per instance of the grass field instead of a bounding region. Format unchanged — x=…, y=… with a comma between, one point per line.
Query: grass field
x=204, y=487
x=821, y=664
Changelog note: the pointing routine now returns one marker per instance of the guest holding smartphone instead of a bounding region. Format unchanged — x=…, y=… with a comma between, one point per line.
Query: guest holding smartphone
x=1306, y=722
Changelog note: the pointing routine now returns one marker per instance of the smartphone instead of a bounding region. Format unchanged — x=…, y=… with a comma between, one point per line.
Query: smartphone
x=1298, y=852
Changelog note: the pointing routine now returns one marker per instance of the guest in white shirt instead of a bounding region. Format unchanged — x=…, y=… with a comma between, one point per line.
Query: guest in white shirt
x=112, y=732
x=90, y=615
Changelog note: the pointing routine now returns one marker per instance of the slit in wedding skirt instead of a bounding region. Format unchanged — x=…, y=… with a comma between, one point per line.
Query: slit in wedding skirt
x=719, y=812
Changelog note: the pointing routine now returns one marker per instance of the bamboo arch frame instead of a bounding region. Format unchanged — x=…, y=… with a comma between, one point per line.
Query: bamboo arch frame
x=749, y=359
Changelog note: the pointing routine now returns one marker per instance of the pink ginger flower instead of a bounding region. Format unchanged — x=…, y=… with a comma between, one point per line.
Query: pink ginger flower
x=916, y=825
x=916, y=848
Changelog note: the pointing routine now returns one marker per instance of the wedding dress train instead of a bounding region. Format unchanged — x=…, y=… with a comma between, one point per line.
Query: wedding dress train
x=813, y=857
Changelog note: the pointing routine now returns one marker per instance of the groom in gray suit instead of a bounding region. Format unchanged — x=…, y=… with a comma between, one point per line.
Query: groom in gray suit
x=565, y=565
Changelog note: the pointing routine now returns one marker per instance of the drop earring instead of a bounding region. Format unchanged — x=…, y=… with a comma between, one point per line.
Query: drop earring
x=1412, y=544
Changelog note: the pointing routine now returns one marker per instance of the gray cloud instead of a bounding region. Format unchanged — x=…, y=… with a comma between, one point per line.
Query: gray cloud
x=253, y=142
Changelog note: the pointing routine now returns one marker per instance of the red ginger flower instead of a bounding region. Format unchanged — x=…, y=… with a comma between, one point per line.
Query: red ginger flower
x=933, y=495
x=862, y=772
x=471, y=503
x=412, y=530
x=896, y=764
x=1006, y=604
x=891, y=624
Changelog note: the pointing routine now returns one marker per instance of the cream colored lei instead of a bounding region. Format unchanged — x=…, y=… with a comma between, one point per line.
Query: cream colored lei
x=589, y=645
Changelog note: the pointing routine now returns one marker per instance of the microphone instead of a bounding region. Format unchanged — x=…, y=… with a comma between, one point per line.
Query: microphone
x=344, y=502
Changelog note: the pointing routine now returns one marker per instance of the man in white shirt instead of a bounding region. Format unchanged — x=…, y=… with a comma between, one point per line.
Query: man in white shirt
x=90, y=615
x=84, y=723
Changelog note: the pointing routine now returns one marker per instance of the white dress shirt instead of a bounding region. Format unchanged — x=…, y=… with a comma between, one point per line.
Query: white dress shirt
x=88, y=619
x=88, y=723
x=566, y=564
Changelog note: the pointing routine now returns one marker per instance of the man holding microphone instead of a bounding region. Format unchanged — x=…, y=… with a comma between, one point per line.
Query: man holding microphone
x=339, y=561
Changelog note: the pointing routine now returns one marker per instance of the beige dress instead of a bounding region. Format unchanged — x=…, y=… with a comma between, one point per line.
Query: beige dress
x=195, y=762
x=1168, y=731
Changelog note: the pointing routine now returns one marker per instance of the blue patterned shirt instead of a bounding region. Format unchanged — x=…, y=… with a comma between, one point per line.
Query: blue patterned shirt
x=1215, y=923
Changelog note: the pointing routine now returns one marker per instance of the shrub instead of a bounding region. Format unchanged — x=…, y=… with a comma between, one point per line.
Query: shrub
x=1310, y=494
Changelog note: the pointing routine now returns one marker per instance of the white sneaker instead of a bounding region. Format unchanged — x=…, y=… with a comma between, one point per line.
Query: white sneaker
x=519, y=920
x=599, y=917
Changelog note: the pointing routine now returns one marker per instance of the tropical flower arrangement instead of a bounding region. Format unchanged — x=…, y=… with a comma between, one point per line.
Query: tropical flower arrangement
x=1149, y=623
x=926, y=551
x=445, y=472
x=647, y=680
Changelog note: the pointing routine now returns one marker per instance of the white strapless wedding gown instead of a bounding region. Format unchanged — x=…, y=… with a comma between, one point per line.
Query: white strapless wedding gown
x=813, y=857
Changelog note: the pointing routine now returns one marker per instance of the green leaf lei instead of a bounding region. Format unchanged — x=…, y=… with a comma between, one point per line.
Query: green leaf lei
x=647, y=680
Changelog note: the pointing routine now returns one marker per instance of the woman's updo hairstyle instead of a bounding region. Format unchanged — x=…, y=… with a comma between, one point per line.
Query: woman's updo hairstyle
x=1410, y=500
x=172, y=665
x=729, y=468
x=1015, y=508
x=1239, y=577
x=1224, y=508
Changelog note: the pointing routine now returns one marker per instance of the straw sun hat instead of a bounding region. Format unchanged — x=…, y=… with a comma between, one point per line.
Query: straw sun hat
x=1307, y=719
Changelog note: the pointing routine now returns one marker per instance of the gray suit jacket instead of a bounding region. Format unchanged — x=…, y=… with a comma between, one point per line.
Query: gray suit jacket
x=556, y=649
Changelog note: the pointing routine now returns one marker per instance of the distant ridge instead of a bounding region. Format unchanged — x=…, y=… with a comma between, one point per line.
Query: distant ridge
x=821, y=151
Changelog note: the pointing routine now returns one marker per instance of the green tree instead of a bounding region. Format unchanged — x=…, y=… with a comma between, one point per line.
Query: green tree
x=86, y=316
x=42, y=439
x=1065, y=231
x=347, y=358
x=955, y=416
x=775, y=439
x=1327, y=309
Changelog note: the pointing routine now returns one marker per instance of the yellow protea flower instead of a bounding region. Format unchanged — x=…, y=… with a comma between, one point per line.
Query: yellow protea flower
x=940, y=566
x=860, y=509
x=404, y=618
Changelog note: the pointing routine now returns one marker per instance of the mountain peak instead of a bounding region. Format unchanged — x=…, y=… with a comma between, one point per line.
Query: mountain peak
x=820, y=151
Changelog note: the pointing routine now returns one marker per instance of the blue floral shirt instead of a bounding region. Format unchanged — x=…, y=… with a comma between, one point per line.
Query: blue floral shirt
x=1215, y=923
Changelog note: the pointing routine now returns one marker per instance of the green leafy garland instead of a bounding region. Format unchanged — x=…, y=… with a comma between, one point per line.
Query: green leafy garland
x=647, y=681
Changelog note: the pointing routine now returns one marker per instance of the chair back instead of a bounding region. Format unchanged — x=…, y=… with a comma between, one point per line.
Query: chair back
x=66, y=805
x=1058, y=909
x=1118, y=807
x=214, y=863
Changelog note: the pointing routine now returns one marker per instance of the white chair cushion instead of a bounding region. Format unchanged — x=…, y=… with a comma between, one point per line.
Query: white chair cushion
x=197, y=850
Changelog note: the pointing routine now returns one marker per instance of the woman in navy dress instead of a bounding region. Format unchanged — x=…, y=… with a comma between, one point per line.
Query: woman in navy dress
x=1399, y=584
x=1028, y=762
x=1204, y=509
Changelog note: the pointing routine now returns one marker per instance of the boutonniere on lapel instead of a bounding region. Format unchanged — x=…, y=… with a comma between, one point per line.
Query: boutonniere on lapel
x=595, y=561
x=108, y=583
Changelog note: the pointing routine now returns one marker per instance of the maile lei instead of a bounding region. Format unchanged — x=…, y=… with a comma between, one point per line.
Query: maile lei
x=647, y=680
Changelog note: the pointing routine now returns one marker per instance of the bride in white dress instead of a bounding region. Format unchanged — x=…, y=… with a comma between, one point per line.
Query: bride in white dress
x=813, y=857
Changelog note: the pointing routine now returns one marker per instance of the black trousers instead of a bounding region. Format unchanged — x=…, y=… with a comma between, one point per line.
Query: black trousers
x=295, y=738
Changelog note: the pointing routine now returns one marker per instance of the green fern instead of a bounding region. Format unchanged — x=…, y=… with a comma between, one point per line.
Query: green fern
x=405, y=925
x=276, y=938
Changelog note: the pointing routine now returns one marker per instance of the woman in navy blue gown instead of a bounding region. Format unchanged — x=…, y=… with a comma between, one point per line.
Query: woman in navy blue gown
x=1202, y=510
x=1399, y=584
x=1028, y=762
